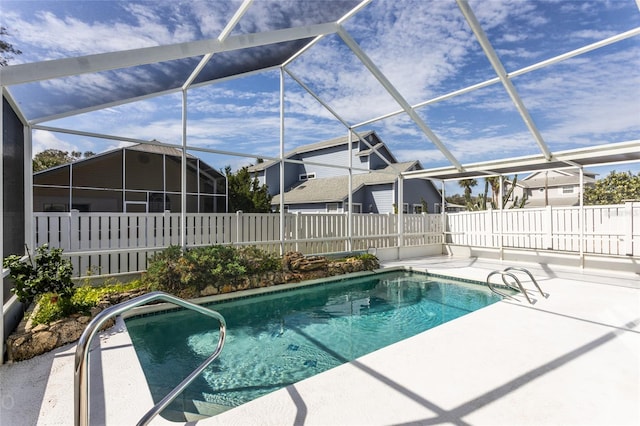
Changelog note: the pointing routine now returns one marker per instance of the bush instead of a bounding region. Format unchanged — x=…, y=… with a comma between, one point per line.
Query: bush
x=86, y=297
x=370, y=261
x=199, y=267
x=49, y=274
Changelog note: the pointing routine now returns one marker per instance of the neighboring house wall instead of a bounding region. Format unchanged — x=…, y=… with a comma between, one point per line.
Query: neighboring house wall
x=334, y=155
x=381, y=199
x=268, y=173
x=553, y=187
x=375, y=194
x=417, y=190
x=149, y=182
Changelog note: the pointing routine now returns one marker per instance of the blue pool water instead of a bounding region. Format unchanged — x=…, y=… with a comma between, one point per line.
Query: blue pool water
x=281, y=338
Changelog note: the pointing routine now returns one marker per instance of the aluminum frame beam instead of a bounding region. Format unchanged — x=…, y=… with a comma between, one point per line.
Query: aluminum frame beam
x=57, y=68
x=337, y=116
x=502, y=74
x=244, y=7
x=390, y=88
x=572, y=158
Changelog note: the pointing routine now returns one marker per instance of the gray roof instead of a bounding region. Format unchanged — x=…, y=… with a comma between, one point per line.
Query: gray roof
x=158, y=149
x=336, y=189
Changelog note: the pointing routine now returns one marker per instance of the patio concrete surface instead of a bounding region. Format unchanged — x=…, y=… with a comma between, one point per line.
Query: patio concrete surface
x=572, y=358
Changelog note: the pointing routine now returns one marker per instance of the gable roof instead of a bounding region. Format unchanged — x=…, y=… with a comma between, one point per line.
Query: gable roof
x=152, y=148
x=157, y=149
x=336, y=189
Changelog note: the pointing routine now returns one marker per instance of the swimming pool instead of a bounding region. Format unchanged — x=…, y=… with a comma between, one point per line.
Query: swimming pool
x=280, y=338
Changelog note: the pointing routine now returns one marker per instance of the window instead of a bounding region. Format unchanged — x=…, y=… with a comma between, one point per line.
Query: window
x=405, y=208
x=54, y=207
x=307, y=176
x=417, y=208
x=567, y=189
x=356, y=208
x=332, y=207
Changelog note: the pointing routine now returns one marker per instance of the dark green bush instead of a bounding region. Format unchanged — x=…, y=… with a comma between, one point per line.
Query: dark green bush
x=49, y=274
x=199, y=267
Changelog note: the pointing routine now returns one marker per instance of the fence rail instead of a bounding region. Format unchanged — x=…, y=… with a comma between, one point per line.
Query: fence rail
x=608, y=230
x=113, y=243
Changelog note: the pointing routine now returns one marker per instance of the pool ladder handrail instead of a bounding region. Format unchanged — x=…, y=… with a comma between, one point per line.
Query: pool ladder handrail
x=506, y=273
x=81, y=370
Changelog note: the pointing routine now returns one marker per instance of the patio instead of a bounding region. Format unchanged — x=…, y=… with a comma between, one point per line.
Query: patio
x=569, y=359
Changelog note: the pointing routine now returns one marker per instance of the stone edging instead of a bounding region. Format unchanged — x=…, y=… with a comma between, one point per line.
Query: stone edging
x=29, y=341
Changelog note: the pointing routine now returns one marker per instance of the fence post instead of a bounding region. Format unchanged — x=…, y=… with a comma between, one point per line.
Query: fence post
x=296, y=234
x=548, y=228
x=628, y=228
x=74, y=229
x=238, y=225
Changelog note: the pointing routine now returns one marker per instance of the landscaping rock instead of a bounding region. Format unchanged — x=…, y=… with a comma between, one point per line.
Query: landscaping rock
x=28, y=342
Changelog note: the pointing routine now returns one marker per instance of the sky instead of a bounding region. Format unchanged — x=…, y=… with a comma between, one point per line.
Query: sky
x=424, y=48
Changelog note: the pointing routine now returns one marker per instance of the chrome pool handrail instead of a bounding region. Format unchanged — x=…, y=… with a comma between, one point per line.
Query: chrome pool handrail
x=503, y=273
x=81, y=369
x=526, y=271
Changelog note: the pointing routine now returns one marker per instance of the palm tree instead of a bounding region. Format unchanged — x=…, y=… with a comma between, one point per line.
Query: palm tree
x=494, y=181
x=467, y=184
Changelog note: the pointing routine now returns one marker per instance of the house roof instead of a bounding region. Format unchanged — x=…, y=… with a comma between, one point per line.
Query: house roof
x=336, y=189
x=152, y=148
x=342, y=140
x=158, y=149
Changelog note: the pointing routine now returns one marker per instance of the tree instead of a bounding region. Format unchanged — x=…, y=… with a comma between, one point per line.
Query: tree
x=614, y=189
x=246, y=193
x=494, y=182
x=6, y=49
x=467, y=184
x=455, y=199
x=55, y=157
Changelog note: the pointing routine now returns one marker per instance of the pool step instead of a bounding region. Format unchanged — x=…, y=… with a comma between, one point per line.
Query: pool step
x=197, y=410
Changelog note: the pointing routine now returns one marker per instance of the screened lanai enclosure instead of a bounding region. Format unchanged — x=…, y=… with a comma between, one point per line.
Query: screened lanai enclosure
x=471, y=89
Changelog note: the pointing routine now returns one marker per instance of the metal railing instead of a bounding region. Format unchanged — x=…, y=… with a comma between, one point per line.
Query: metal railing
x=81, y=370
x=515, y=285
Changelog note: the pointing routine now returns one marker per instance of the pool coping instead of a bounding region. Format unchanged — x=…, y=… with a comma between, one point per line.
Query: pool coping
x=163, y=307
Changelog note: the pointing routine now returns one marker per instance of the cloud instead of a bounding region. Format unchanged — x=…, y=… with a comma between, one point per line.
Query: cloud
x=425, y=49
x=578, y=102
x=43, y=140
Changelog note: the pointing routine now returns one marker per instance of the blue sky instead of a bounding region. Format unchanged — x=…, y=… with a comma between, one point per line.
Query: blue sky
x=425, y=48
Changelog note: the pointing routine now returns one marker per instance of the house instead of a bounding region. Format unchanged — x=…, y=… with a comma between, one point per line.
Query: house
x=559, y=188
x=135, y=179
x=311, y=188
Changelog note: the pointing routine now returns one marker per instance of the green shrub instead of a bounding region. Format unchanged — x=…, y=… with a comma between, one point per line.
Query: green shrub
x=165, y=270
x=49, y=274
x=51, y=308
x=218, y=265
x=370, y=261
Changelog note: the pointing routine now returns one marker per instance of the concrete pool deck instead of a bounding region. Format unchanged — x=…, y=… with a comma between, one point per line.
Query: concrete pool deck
x=572, y=359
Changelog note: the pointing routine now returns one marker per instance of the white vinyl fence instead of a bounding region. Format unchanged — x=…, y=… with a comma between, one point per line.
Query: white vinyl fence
x=113, y=243
x=609, y=230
